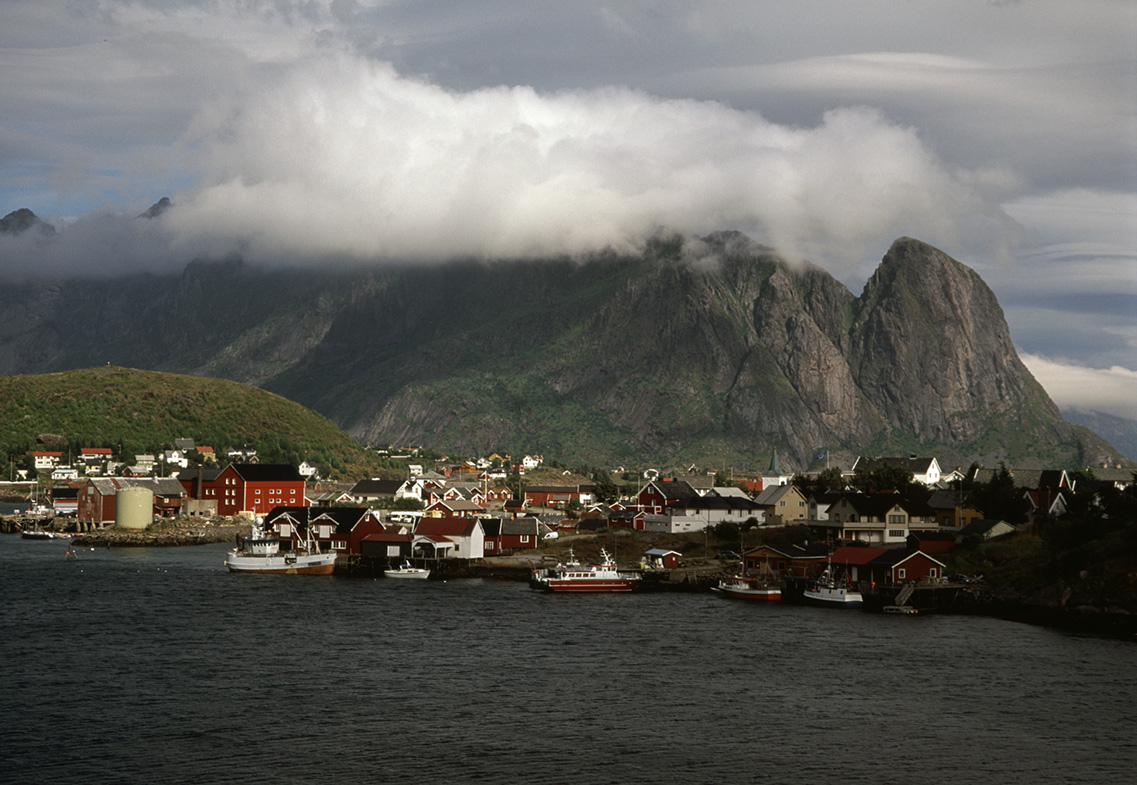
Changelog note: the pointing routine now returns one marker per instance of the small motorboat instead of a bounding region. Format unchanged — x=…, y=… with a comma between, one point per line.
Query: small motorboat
x=407, y=570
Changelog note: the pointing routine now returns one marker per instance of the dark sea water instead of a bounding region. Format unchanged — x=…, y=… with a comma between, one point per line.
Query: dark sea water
x=158, y=666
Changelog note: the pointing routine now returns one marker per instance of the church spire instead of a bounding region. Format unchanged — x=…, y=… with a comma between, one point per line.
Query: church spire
x=775, y=467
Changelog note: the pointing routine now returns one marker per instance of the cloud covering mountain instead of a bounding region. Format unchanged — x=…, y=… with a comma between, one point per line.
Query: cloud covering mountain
x=334, y=132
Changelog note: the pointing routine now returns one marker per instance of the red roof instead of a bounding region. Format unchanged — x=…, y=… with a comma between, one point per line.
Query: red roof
x=848, y=554
x=94, y=450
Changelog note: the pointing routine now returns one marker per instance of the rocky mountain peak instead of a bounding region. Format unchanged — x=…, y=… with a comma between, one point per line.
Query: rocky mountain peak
x=22, y=220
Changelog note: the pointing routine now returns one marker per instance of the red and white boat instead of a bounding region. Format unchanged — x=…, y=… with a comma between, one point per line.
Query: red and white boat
x=576, y=578
x=260, y=552
x=743, y=588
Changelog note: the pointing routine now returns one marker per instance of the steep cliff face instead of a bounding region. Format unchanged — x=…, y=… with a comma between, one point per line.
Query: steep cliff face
x=709, y=351
x=931, y=350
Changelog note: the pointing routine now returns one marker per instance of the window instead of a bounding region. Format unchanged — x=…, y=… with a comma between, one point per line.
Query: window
x=258, y=491
x=896, y=519
x=525, y=538
x=896, y=533
x=932, y=573
x=900, y=573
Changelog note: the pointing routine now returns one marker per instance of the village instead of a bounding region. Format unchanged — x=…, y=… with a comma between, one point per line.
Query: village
x=780, y=526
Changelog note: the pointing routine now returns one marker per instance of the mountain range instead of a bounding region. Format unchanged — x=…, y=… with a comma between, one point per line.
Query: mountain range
x=710, y=351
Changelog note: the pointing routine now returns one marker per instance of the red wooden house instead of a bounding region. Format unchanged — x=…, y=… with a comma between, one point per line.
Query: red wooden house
x=338, y=529
x=852, y=560
x=258, y=487
x=658, y=494
x=900, y=566
x=552, y=496
x=521, y=534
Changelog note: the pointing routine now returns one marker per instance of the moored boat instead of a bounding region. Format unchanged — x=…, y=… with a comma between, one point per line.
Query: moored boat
x=407, y=570
x=832, y=592
x=260, y=552
x=743, y=588
x=577, y=578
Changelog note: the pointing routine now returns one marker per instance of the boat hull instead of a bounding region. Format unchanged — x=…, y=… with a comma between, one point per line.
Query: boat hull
x=833, y=598
x=571, y=586
x=407, y=575
x=767, y=594
x=304, y=564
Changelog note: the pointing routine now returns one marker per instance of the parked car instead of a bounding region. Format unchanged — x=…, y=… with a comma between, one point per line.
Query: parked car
x=729, y=556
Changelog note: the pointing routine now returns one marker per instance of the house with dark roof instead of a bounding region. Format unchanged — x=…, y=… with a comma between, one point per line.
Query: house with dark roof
x=876, y=518
x=491, y=530
x=951, y=508
x=985, y=529
x=773, y=561
x=699, y=512
x=377, y=489
x=783, y=505
x=522, y=534
x=1028, y=479
x=1045, y=504
x=258, y=487
x=338, y=529
x=895, y=566
x=661, y=559
x=656, y=495
x=200, y=484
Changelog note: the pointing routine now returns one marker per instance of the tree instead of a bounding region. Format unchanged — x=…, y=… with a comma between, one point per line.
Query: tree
x=999, y=498
x=606, y=490
x=885, y=476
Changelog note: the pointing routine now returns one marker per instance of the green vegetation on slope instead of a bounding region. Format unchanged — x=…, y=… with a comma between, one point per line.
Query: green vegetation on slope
x=134, y=411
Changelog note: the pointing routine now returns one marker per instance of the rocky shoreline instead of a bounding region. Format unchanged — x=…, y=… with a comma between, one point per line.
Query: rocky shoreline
x=190, y=535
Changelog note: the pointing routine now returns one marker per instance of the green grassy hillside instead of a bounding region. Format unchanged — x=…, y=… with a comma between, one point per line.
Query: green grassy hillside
x=134, y=411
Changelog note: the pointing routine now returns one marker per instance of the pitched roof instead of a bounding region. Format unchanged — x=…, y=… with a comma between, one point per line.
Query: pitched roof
x=673, y=489
x=521, y=526
x=162, y=486
x=848, y=554
x=895, y=556
x=208, y=474
x=912, y=463
x=376, y=487
x=774, y=494
x=266, y=472
x=446, y=527
x=344, y=518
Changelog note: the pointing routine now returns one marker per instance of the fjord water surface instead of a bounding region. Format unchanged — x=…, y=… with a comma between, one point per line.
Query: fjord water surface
x=157, y=665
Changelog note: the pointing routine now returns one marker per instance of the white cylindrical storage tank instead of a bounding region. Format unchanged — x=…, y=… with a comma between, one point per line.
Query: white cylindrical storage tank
x=134, y=508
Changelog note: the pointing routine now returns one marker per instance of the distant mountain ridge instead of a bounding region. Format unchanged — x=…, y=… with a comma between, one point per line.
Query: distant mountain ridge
x=1118, y=431
x=711, y=351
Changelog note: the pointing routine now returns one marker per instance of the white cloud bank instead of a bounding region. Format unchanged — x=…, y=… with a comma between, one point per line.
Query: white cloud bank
x=1110, y=390
x=340, y=157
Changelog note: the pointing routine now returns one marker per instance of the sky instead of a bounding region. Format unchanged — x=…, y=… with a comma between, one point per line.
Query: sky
x=352, y=131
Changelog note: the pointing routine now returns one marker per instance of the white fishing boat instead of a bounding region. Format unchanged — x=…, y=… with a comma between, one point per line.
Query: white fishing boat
x=832, y=592
x=743, y=588
x=260, y=552
x=407, y=570
x=574, y=577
